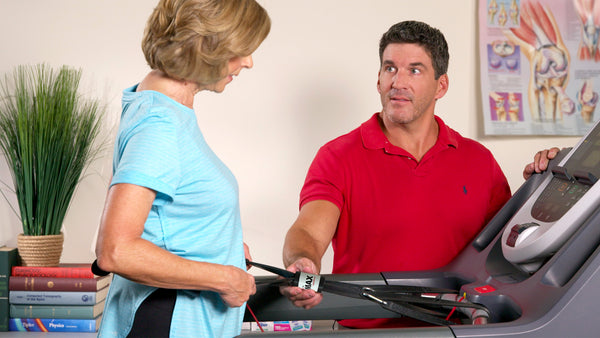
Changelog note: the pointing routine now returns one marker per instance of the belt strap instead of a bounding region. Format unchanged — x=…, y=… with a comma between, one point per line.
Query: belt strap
x=402, y=299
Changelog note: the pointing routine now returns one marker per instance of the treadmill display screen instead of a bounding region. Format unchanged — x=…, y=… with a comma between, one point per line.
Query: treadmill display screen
x=571, y=181
x=587, y=157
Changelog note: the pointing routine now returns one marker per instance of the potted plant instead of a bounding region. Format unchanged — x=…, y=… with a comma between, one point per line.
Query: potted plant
x=47, y=136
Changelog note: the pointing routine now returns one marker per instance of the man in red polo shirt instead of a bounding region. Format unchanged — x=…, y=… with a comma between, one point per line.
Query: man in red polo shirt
x=403, y=191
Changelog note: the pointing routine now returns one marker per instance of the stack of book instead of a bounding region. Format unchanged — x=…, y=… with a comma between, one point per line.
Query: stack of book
x=9, y=257
x=67, y=298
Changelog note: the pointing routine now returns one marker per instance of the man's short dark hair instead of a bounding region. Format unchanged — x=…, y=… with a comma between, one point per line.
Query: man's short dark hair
x=420, y=33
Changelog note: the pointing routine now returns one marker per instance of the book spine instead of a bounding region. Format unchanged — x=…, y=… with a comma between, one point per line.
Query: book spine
x=4, y=314
x=56, y=311
x=52, y=297
x=53, y=325
x=61, y=272
x=8, y=258
x=21, y=283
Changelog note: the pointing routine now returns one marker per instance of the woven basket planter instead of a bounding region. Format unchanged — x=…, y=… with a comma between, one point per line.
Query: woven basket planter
x=40, y=250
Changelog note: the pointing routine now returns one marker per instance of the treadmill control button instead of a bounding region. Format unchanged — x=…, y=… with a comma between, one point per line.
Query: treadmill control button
x=585, y=177
x=516, y=230
x=485, y=289
x=562, y=173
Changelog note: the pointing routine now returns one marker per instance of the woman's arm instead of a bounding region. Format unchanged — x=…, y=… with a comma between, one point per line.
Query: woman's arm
x=120, y=249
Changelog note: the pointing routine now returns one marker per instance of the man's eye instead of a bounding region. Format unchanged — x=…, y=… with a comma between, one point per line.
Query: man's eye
x=415, y=71
x=390, y=69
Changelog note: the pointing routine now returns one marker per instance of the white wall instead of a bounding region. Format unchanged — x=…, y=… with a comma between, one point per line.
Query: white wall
x=314, y=78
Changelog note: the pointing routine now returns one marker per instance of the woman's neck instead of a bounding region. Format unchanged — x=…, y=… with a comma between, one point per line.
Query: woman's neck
x=181, y=91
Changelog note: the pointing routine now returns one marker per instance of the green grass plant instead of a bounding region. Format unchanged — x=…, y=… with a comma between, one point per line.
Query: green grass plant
x=47, y=135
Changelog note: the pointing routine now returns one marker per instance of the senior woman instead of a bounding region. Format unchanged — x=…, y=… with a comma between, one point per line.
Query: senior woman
x=170, y=230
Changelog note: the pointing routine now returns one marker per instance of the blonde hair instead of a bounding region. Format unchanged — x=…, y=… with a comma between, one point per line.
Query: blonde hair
x=195, y=39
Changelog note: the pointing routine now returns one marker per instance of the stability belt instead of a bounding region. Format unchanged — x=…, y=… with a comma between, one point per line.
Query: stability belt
x=405, y=300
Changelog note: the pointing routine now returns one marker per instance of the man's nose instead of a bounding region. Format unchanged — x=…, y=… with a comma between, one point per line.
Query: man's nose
x=399, y=80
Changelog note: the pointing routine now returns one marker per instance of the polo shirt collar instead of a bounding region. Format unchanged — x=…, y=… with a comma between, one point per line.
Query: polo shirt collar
x=374, y=138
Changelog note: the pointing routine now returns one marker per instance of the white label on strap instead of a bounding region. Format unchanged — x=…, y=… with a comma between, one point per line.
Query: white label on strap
x=309, y=281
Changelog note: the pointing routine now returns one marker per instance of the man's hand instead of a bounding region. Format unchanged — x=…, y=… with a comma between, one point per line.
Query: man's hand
x=298, y=296
x=540, y=162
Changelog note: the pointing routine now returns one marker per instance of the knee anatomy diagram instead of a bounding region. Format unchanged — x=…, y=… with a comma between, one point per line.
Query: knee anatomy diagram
x=541, y=42
x=589, y=13
x=542, y=59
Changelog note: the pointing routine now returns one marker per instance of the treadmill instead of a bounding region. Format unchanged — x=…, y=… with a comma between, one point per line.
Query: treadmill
x=535, y=266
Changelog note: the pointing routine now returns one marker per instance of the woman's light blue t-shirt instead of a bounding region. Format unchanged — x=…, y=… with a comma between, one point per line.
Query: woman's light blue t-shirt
x=195, y=214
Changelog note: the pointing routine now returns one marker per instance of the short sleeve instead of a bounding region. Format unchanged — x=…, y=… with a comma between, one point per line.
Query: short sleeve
x=324, y=180
x=148, y=156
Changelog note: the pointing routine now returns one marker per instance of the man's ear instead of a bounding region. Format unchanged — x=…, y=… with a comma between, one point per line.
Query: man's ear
x=443, y=84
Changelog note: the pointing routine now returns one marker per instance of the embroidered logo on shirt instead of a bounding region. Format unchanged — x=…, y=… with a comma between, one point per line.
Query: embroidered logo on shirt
x=465, y=189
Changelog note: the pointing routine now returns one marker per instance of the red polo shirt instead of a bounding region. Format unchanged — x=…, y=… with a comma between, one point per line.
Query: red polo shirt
x=398, y=214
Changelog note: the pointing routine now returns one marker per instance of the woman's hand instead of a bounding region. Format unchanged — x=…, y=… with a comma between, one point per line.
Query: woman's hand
x=239, y=286
x=247, y=255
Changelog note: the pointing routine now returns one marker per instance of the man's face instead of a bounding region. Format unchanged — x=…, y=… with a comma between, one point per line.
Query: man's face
x=407, y=83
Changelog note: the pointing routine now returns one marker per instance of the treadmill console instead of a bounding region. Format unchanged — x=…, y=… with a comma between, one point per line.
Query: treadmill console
x=557, y=208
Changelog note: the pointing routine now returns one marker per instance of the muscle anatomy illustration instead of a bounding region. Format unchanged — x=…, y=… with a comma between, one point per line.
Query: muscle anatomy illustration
x=514, y=12
x=540, y=41
x=502, y=16
x=499, y=106
x=513, y=106
x=492, y=10
x=587, y=100
x=589, y=13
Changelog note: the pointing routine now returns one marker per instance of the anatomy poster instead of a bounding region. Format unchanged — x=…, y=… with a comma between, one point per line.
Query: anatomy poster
x=540, y=66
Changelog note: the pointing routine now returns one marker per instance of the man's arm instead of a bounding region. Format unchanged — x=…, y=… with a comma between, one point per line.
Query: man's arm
x=306, y=243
